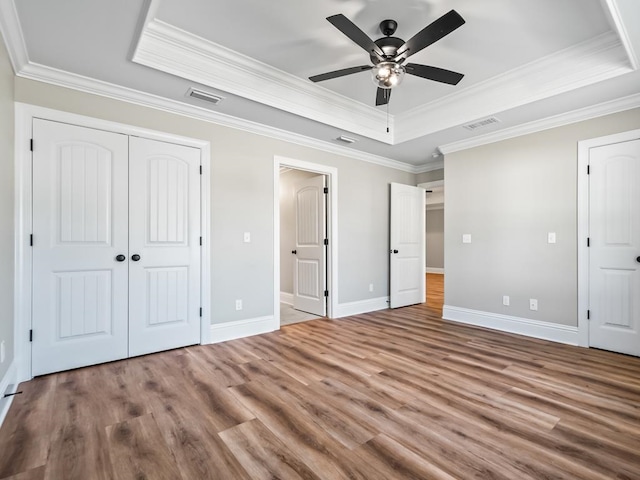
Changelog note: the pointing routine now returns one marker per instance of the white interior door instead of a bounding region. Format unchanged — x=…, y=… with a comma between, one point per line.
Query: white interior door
x=407, y=242
x=79, y=229
x=164, y=242
x=310, y=265
x=614, y=253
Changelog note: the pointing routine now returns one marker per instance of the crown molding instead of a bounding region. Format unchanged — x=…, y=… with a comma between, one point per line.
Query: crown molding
x=616, y=16
x=430, y=166
x=166, y=48
x=41, y=73
x=580, y=65
x=12, y=35
x=582, y=114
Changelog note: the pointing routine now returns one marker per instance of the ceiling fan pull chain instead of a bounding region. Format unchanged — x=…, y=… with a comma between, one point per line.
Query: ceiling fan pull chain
x=385, y=94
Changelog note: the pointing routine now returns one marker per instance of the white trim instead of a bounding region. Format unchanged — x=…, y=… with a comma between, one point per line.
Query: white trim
x=169, y=49
x=592, y=61
x=616, y=16
x=332, y=229
x=437, y=270
x=12, y=35
x=429, y=166
x=53, y=76
x=24, y=115
x=223, y=332
x=505, y=323
x=361, y=306
x=286, y=297
x=8, y=384
x=432, y=184
x=582, y=114
x=584, y=147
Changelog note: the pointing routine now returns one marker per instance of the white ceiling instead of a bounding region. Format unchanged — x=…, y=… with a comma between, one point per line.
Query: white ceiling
x=523, y=61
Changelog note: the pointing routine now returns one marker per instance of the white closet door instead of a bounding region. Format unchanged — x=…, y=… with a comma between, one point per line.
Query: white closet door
x=80, y=294
x=164, y=231
x=614, y=254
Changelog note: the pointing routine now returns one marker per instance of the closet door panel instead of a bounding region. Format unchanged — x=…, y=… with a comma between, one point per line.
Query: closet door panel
x=164, y=244
x=80, y=287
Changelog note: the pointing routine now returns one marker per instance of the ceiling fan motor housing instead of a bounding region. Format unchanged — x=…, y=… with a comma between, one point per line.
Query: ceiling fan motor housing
x=389, y=45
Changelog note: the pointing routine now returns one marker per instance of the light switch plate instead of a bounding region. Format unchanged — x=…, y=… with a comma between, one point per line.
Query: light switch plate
x=533, y=304
x=505, y=300
x=551, y=237
x=247, y=237
x=466, y=238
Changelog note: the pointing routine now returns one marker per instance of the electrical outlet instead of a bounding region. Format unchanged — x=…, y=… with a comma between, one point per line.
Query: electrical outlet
x=533, y=304
x=2, y=352
x=505, y=300
x=247, y=237
x=466, y=238
x=238, y=304
x=371, y=287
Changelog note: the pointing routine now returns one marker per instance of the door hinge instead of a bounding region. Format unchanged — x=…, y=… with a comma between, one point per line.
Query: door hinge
x=31, y=335
x=31, y=144
x=200, y=169
x=588, y=314
x=326, y=241
x=200, y=311
x=588, y=242
x=31, y=240
x=200, y=241
x=326, y=189
x=326, y=293
x=588, y=169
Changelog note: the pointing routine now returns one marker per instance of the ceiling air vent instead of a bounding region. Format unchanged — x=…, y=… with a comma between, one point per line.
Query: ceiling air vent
x=481, y=123
x=345, y=139
x=205, y=96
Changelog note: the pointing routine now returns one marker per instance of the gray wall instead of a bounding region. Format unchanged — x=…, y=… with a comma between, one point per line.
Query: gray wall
x=242, y=201
x=6, y=208
x=288, y=182
x=508, y=195
x=435, y=238
x=431, y=176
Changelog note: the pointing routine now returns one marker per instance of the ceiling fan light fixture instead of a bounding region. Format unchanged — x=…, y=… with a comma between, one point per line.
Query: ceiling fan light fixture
x=387, y=74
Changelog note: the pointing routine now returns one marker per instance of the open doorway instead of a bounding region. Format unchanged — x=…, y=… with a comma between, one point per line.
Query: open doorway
x=434, y=267
x=302, y=260
x=305, y=235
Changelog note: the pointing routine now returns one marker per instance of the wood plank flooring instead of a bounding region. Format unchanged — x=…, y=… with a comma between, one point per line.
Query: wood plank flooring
x=395, y=394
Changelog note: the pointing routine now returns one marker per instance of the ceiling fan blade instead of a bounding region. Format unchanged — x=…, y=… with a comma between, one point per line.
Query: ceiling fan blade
x=339, y=73
x=432, y=33
x=350, y=29
x=434, y=73
x=382, y=96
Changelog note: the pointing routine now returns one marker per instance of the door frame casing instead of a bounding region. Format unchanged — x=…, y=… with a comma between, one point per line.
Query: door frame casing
x=584, y=148
x=24, y=115
x=331, y=174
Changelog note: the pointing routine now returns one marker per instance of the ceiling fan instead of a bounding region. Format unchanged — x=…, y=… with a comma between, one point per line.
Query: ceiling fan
x=389, y=53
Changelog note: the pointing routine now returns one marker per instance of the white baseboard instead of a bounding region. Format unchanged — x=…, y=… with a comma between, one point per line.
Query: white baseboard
x=286, y=298
x=222, y=332
x=8, y=384
x=434, y=270
x=361, y=306
x=506, y=323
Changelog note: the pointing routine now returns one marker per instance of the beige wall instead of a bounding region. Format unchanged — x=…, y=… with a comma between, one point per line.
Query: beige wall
x=288, y=181
x=242, y=201
x=431, y=176
x=435, y=238
x=6, y=208
x=508, y=196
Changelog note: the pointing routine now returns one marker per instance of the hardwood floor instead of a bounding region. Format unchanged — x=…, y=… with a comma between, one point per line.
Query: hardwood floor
x=396, y=394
